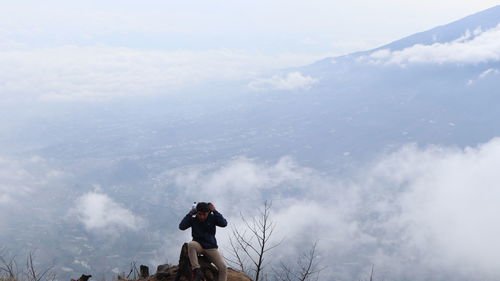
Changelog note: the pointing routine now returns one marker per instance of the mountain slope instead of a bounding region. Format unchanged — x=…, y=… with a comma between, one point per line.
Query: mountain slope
x=483, y=20
x=480, y=21
x=136, y=152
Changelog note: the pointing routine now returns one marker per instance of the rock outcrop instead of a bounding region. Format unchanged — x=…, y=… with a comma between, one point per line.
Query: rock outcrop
x=168, y=273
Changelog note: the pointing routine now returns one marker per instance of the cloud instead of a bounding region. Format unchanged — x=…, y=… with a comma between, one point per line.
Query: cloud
x=242, y=180
x=228, y=22
x=23, y=178
x=99, y=213
x=487, y=73
x=472, y=48
x=103, y=73
x=448, y=202
x=418, y=213
x=31, y=191
x=291, y=81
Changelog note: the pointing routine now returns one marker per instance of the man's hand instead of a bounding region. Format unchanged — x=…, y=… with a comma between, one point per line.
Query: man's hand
x=211, y=207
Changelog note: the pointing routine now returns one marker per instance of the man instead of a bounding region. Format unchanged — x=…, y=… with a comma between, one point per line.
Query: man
x=204, y=242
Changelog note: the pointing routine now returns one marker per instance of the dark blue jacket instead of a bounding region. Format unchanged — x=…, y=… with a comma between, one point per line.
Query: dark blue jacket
x=204, y=232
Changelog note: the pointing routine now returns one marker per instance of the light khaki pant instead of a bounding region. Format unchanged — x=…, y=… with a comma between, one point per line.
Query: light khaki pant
x=194, y=248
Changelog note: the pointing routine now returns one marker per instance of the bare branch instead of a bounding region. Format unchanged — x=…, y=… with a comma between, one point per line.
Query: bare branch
x=235, y=252
x=33, y=274
x=254, y=244
x=306, y=268
x=9, y=267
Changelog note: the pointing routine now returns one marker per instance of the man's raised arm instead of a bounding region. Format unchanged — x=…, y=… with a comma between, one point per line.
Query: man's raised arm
x=219, y=219
x=186, y=222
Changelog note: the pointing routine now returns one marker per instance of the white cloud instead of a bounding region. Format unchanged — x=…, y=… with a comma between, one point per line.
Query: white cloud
x=472, y=48
x=291, y=81
x=412, y=213
x=468, y=35
x=231, y=21
x=99, y=213
x=242, y=180
x=30, y=192
x=82, y=263
x=101, y=73
x=487, y=73
x=21, y=179
x=449, y=201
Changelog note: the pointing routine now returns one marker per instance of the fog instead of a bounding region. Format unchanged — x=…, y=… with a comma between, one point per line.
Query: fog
x=418, y=212
x=385, y=159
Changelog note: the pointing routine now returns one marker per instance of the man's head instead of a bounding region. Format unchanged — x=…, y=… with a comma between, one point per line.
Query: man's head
x=202, y=211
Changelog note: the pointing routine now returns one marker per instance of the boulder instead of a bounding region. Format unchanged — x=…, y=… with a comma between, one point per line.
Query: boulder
x=169, y=273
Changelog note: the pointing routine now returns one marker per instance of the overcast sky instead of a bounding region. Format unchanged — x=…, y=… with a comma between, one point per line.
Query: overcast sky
x=269, y=27
x=101, y=50
x=95, y=50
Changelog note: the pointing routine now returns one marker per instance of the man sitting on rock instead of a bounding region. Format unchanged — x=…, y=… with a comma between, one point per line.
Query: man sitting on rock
x=202, y=221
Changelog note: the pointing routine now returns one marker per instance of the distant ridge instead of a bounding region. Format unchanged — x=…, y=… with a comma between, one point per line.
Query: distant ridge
x=485, y=20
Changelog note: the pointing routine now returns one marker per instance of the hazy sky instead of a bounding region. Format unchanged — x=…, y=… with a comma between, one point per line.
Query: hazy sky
x=269, y=27
x=415, y=210
x=94, y=50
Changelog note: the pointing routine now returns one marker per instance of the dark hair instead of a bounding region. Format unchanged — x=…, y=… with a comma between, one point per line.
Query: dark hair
x=202, y=207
